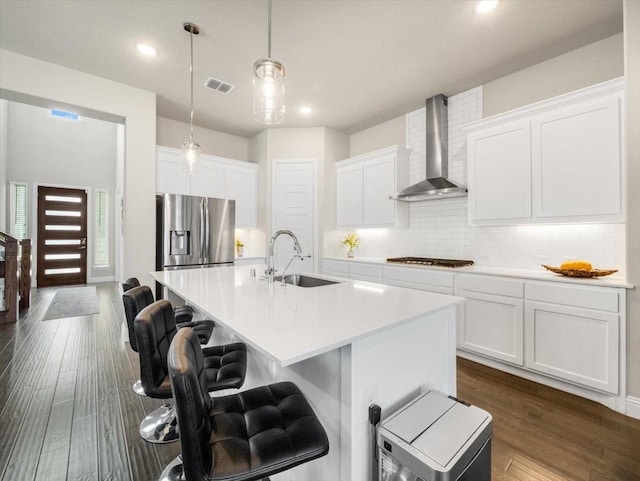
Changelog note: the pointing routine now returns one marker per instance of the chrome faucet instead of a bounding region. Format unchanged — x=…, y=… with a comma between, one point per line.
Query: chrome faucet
x=296, y=245
x=284, y=272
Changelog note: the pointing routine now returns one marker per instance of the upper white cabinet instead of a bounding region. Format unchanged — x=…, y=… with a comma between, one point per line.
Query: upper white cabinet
x=559, y=160
x=216, y=177
x=364, y=184
x=500, y=173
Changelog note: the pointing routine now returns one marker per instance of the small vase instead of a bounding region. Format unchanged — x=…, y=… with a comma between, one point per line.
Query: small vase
x=239, y=250
x=350, y=253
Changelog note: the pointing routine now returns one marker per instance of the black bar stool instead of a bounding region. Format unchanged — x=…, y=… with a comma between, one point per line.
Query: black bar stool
x=241, y=437
x=225, y=367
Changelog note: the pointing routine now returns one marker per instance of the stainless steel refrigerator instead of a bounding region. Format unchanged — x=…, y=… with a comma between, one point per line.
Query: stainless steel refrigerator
x=194, y=231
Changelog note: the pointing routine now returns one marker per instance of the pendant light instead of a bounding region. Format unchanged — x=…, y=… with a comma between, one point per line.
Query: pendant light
x=268, y=85
x=191, y=148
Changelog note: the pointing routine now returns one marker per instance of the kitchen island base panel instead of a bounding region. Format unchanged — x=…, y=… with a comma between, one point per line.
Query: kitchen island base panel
x=388, y=368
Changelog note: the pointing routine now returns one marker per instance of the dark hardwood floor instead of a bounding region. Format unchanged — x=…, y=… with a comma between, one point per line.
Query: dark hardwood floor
x=67, y=410
x=540, y=433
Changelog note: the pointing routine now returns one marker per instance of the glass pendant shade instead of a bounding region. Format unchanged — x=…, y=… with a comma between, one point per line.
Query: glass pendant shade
x=190, y=156
x=268, y=91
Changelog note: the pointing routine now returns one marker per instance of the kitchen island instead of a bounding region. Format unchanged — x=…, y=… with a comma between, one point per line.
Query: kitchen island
x=347, y=345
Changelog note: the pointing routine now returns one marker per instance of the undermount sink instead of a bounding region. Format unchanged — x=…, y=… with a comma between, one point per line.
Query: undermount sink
x=301, y=280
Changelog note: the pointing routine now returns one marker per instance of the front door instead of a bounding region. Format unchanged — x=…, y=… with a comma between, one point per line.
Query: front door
x=62, y=236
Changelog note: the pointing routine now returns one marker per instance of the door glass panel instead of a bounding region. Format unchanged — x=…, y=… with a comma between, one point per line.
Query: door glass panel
x=67, y=270
x=62, y=242
x=62, y=227
x=59, y=198
x=65, y=213
x=61, y=256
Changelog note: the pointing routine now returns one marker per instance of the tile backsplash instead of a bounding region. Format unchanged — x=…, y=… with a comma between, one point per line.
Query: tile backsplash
x=441, y=229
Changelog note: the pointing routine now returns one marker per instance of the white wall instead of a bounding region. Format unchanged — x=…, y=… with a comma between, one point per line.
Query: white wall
x=588, y=65
x=4, y=199
x=49, y=81
x=632, y=153
x=171, y=133
x=51, y=151
x=377, y=137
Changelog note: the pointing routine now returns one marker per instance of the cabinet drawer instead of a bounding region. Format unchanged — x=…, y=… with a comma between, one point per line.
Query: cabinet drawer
x=335, y=268
x=499, y=286
x=600, y=298
x=365, y=272
x=417, y=276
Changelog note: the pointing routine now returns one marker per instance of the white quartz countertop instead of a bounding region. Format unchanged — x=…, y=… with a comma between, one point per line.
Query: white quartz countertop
x=541, y=274
x=290, y=323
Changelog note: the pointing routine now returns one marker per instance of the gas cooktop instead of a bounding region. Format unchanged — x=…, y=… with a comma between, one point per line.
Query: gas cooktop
x=429, y=261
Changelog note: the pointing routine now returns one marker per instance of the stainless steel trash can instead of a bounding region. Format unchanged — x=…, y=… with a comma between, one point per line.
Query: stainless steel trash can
x=435, y=438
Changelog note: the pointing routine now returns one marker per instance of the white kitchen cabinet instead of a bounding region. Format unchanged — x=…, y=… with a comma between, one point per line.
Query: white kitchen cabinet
x=335, y=268
x=350, y=195
x=242, y=185
x=364, y=184
x=500, y=173
x=365, y=272
x=360, y=271
x=217, y=177
x=418, y=278
x=170, y=178
x=559, y=160
x=573, y=333
x=577, y=169
x=209, y=180
x=492, y=321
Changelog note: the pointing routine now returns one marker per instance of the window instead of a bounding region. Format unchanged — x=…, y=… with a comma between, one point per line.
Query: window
x=101, y=254
x=18, y=210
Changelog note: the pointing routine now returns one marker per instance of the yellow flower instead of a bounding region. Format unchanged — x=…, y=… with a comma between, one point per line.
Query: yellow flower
x=352, y=240
x=239, y=243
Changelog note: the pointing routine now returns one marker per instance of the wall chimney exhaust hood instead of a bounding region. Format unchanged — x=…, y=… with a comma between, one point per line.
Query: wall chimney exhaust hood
x=436, y=186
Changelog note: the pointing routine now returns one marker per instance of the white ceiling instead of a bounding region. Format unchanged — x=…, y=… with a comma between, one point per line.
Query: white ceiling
x=357, y=63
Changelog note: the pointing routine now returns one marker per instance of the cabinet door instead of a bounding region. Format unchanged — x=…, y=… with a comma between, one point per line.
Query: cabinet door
x=379, y=179
x=242, y=186
x=349, y=196
x=577, y=161
x=365, y=272
x=500, y=173
x=209, y=180
x=575, y=344
x=335, y=268
x=492, y=325
x=170, y=179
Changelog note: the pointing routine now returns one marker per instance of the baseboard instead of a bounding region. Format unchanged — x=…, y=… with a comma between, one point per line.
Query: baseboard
x=632, y=407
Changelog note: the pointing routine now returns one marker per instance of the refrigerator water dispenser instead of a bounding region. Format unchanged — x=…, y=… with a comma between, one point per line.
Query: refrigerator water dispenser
x=180, y=243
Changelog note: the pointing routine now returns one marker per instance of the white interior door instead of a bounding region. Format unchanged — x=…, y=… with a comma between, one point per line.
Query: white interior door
x=293, y=201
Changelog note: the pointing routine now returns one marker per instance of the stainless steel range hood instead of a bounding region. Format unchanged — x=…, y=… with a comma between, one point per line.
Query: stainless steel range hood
x=436, y=186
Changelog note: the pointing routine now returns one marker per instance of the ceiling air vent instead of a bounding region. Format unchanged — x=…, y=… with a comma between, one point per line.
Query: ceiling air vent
x=219, y=85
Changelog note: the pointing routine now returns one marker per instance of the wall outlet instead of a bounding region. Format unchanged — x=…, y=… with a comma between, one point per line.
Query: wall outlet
x=370, y=396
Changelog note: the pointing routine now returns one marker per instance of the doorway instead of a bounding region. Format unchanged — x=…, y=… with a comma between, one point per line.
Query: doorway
x=62, y=236
x=293, y=196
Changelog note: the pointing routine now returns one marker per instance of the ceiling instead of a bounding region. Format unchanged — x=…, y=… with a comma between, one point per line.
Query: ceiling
x=356, y=63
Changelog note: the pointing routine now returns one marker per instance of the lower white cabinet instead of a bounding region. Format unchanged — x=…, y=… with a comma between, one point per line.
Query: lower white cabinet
x=365, y=272
x=492, y=325
x=352, y=270
x=492, y=320
x=573, y=333
x=418, y=278
x=567, y=335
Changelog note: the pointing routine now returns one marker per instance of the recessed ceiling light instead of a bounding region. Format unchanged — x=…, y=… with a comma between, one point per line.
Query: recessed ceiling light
x=147, y=50
x=305, y=110
x=485, y=6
